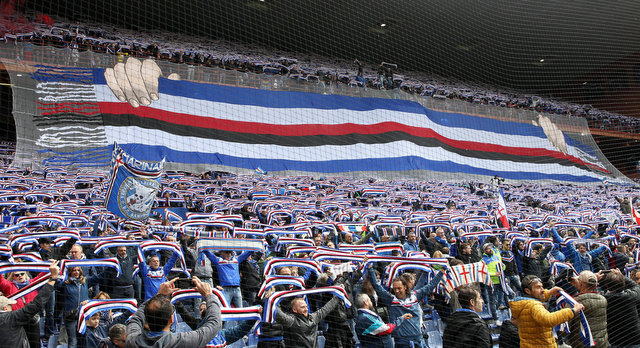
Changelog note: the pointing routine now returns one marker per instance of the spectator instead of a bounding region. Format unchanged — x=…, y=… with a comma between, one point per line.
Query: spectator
x=153, y=275
x=535, y=323
x=229, y=273
x=157, y=314
x=117, y=336
x=12, y=322
x=370, y=328
x=403, y=301
x=465, y=328
x=595, y=310
x=301, y=328
x=623, y=301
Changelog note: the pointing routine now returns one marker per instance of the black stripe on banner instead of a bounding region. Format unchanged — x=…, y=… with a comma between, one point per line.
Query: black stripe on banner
x=128, y=120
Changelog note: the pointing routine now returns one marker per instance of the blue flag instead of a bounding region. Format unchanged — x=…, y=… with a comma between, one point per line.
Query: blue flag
x=133, y=185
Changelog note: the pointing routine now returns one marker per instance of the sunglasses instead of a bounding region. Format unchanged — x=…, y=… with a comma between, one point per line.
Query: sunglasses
x=18, y=274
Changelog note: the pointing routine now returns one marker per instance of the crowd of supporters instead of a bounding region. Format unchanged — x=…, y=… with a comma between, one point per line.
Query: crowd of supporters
x=303, y=262
x=311, y=68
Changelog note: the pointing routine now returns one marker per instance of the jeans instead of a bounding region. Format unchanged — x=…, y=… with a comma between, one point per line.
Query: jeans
x=122, y=291
x=249, y=296
x=72, y=331
x=49, y=320
x=409, y=343
x=233, y=295
x=493, y=295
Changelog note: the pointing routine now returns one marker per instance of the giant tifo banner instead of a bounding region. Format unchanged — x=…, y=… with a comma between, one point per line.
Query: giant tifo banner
x=77, y=114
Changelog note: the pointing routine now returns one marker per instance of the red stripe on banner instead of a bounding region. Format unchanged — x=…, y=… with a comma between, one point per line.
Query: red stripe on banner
x=322, y=129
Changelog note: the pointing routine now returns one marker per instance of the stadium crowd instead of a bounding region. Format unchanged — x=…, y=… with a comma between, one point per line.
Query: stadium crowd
x=330, y=262
x=177, y=48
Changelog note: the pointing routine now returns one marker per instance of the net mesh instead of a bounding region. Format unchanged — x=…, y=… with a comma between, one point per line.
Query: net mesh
x=240, y=144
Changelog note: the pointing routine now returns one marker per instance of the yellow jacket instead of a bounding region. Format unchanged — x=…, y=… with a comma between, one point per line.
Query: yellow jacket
x=535, y=323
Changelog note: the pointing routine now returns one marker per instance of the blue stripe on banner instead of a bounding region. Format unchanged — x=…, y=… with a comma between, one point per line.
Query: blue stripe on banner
x=154, y=153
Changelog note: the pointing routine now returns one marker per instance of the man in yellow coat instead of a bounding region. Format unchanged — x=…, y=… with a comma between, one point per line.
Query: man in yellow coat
x=535, y=322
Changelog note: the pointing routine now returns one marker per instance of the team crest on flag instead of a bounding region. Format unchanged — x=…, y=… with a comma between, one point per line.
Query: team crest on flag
x=133, y=185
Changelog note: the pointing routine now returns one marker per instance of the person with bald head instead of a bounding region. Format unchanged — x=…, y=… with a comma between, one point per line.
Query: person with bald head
x=300, y=327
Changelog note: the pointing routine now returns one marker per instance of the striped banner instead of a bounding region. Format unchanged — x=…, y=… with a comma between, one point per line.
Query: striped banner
x=201, y=123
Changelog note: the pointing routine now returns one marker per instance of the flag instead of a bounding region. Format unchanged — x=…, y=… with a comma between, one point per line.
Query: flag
x=634, y=212
x=133, y=185
x=502, y=210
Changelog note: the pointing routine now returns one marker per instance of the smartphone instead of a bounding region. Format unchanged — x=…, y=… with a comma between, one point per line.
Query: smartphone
x=184, y=283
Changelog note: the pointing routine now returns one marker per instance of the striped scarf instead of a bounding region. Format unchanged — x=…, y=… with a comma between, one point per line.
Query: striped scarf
x=28, y=237
x=284, y=241
x=357, y=249
x=414, y=260
x=34, y=285
x=565, y=300
x=248, y=232
x=92, y=307
x=186, y=294
x=106, y=244
x=31, y=256
x=65, y=265
x=300, y=249
x=173, y=247
x=389, y=247
x=236, y=244
x=271, y=265
x=271, y=304
x=38, y=267
x=320, y=257
x=531, y=242
x=557, y=267
x=274, y=280
x=241, y=314
x=395, y=269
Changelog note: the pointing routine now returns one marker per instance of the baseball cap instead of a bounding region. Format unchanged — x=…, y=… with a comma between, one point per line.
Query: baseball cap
x=6, y=302
x=588, y=277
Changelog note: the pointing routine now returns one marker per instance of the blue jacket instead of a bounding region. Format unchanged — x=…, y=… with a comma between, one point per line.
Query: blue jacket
x=581, y=262
x=72, y=293
x=410, y=329
x=228, y=271
x=152, y=278
x=411, y=247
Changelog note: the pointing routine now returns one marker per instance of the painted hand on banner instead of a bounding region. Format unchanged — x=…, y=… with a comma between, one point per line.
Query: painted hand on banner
x=136, y=82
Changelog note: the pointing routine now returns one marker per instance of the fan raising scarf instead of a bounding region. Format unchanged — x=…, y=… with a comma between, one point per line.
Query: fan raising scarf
x=271, y=304
x=565, y=300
